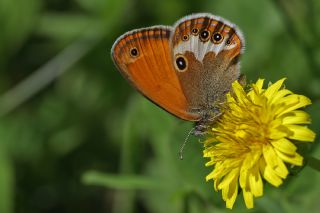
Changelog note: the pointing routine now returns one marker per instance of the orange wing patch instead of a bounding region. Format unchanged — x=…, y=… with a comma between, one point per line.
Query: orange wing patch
x=144, y=58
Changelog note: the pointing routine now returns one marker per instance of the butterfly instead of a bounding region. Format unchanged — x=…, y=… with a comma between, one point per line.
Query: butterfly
x=185, y=69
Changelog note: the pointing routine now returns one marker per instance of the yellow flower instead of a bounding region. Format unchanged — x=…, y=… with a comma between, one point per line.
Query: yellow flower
x=254, y=140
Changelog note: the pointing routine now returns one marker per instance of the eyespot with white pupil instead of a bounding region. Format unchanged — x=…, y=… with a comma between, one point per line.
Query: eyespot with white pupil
x=195, y=31
x=205, y=35
x=217, y=38
x=134, y=52
x=181, y=63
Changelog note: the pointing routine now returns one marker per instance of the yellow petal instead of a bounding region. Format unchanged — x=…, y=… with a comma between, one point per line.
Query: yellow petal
x=225, y=192
x=268, y=174
x=281, y=169
x=274, y=88
x=243, y=179
x=209, y=140
x=295, y=159
x=296, y=117
x=223, y=139
x=301, y=133
x=248, y=198
x=216, y=183
x=209, y=163
x=233, y=192
x=228, y=179
x=259, y=84
x=275, y=123
x=238, y=91
x=276, y=134
x=256, y=97
x=209, y=176
x=250, y=160
x=270, y=155
x=279, y=95
x=293, y=102
x=255, y=181
x=284, y=145
x=220, y=170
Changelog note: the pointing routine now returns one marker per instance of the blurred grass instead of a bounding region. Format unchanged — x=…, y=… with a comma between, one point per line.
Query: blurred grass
x=80, y=139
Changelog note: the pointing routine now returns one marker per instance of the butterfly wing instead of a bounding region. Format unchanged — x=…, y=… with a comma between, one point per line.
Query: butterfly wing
x=144, y=58
x=210, y=47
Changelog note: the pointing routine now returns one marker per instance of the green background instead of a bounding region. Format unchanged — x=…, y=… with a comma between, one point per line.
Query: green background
x=75, y=137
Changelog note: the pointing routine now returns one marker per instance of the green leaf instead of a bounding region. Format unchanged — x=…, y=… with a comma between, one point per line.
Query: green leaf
x=120, y=181
x=64, y=27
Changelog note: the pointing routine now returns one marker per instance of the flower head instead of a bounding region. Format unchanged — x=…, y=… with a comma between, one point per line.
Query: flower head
x=255, y=138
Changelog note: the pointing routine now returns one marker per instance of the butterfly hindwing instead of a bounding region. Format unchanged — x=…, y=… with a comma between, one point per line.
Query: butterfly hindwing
x=210, y=47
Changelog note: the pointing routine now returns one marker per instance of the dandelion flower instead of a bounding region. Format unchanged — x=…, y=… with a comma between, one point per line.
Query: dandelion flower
x=254, y=140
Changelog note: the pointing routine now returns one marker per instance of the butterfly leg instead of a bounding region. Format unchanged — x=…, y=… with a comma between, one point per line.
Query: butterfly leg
x=200, y=129
x=242, y=79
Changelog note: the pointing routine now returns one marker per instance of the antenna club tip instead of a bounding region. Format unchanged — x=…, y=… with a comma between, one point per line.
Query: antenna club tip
x=180, y=156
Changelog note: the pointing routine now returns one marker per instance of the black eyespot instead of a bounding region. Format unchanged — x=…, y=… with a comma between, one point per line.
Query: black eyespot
x=228, y=42
x=181, y=63
x=204, y=35
x=217, y=38
x=195, y=31
x=134, y=52
x=185, y=38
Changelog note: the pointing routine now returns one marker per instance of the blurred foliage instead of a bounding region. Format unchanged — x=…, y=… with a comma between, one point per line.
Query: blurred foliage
x=75, y=137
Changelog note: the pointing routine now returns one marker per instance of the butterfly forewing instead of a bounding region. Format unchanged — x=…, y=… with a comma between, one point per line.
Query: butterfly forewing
x=144, y=58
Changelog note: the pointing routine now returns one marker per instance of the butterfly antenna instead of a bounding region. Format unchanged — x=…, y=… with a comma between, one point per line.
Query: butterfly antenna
x=184, y=143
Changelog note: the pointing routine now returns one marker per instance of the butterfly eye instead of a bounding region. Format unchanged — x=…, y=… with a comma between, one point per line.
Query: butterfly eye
x=181, y=63
x=195, y=31
x=134, y=52
x=205, y=35
x=185, y=38
x=217, y=38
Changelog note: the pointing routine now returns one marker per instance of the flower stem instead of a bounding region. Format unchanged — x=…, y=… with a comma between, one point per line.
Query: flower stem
x=314, y=163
